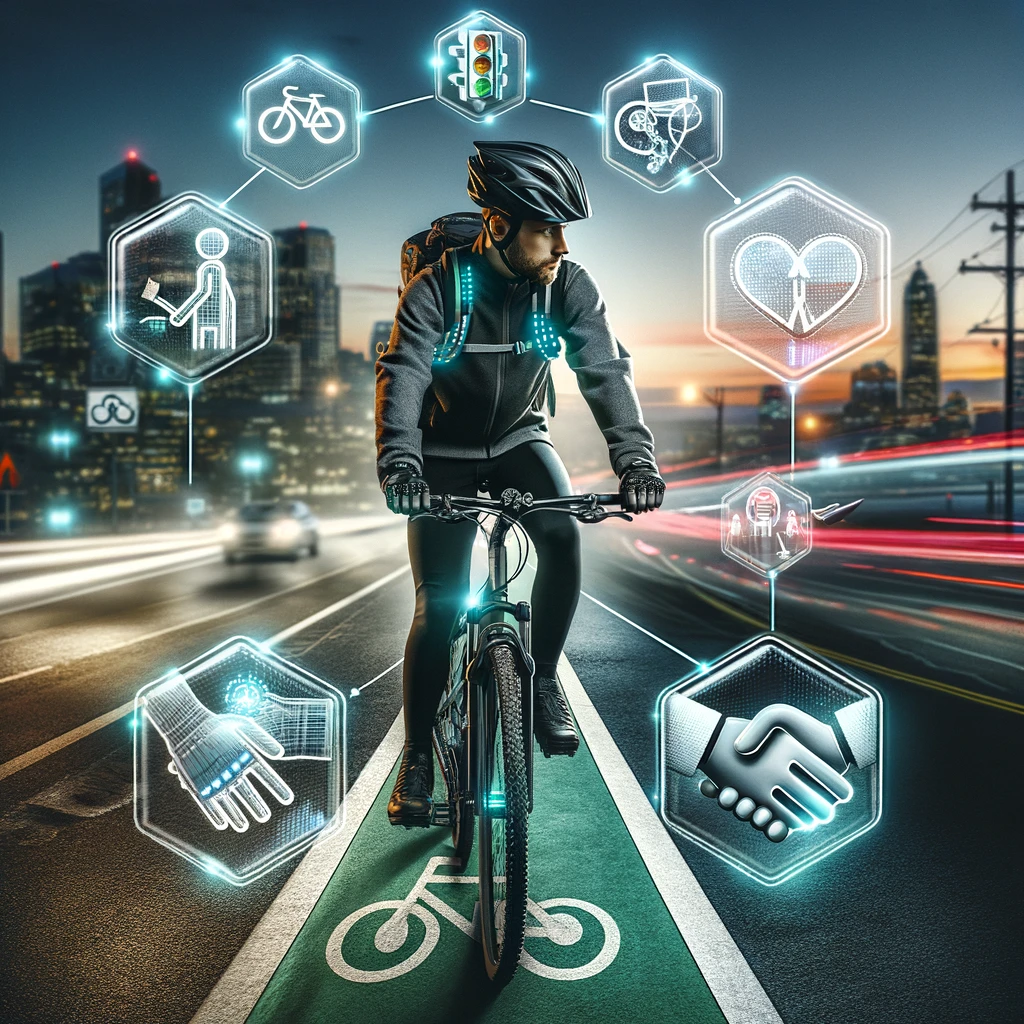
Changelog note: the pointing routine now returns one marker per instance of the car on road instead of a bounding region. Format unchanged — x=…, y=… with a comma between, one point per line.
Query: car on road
x=280, y=528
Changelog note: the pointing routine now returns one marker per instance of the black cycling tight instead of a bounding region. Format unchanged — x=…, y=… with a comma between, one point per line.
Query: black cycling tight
x=440, y=554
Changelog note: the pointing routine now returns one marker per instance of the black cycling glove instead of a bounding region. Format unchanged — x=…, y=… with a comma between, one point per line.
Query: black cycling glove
x=405, y=490
x=641, y=487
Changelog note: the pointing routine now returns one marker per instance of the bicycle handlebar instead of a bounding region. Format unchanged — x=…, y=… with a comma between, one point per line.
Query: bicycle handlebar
x=572, y=503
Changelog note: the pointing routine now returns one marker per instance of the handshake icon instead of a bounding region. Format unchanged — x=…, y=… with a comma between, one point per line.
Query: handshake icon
x=782, y=771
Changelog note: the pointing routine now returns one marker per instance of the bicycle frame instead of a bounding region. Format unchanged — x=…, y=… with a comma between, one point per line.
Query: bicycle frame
x=313, y=107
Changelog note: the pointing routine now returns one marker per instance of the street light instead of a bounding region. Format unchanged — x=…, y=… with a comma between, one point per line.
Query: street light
x=59, y=519
x=61, y=439
x=251, y=466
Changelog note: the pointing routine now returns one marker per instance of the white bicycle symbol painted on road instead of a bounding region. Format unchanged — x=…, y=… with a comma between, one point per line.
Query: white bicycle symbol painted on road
x=561, y=928
x=315, y=119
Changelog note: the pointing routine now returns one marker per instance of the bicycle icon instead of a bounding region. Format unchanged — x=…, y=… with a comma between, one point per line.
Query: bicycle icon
x=326, y=124
x=112, y=408
x=637, y=122
x=561, y=928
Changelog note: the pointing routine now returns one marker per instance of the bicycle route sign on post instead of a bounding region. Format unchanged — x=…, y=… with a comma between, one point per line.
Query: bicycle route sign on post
x=112, y=410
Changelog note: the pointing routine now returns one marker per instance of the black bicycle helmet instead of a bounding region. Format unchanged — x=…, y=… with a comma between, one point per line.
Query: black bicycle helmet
x=526, y=181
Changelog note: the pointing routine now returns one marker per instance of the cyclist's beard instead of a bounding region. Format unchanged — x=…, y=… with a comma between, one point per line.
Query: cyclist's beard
x=542, y=271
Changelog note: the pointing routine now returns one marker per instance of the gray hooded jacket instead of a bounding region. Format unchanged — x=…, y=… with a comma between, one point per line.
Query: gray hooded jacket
x=481, y=405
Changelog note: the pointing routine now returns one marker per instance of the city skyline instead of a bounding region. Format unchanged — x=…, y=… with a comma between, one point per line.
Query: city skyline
x=869, y=93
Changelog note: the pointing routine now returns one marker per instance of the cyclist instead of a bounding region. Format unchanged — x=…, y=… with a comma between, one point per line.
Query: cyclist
x=477, y=422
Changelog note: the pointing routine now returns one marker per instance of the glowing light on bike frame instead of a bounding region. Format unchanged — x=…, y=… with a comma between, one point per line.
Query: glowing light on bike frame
x=252, y=146
x=689, y=685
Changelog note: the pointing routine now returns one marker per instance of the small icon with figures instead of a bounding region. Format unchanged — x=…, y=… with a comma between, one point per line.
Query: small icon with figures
x=766, y=524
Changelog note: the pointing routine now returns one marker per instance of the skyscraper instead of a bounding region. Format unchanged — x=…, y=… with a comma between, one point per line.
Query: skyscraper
x=873, y=396
x=920, y=346
x=126, y=190
x=307, y=300
x=773, y=415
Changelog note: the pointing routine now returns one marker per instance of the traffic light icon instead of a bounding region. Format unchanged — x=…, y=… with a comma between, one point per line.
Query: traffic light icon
x=481, y=75
x=480, y=67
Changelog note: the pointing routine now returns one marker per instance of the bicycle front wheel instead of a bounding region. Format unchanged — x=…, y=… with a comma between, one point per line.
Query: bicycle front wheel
x=502, y=813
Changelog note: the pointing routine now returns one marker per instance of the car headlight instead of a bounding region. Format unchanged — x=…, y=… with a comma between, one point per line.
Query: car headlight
x=227, y=531
x=285, y=531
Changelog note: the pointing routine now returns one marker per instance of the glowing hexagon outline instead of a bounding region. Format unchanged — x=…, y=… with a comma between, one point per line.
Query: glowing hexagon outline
x=703, y=670
x=209, y=864
x=607, y=128
x=751, y=484
x=724, y=339
x=439, y=67
x=158, y=211
x=273, y=73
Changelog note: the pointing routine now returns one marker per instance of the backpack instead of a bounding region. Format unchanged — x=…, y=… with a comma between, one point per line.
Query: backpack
x=449, y=234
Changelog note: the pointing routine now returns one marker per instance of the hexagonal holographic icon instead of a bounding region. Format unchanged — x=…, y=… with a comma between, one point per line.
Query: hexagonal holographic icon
x=191, y=287
x=301, y=121
x=795, y=279
x=662, y=123
x=239, y=760
x=480, y=66
x=771, y=759
x=766, y=524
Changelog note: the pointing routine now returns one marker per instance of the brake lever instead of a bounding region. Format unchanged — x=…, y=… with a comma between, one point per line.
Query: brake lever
x=600, y=516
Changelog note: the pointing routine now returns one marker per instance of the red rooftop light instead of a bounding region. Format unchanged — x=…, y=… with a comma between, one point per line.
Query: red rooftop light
x=303, y=225
x=132, y=155
x=55, y=264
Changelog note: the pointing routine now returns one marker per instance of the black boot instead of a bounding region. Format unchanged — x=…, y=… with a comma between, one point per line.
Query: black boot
x=410, y=804
x=552, y=720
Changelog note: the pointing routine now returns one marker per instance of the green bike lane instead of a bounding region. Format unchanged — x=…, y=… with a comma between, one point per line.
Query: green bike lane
x=607, y=941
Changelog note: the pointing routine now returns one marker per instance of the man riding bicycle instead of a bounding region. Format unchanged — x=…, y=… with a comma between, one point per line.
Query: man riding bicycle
x=476, y=421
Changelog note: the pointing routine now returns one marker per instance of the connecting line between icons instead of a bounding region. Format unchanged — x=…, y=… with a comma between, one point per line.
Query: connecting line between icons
x=711, y=174
x=393, y=106
x=568, y=110
x=771, y=592
x=239, y=189
x=190, y=387
x=356, y=690
x=792, y=431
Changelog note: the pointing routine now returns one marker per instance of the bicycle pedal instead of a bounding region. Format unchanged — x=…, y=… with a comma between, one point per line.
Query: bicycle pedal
x=441, y=815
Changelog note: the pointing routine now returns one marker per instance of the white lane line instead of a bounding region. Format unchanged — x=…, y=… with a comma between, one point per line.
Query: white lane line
x=646, y=632
x=120, y=582
x=52, y=559
x=27, y=672
x=734, y=985
x=241, y=985
x=36, y=586
x=30, y=757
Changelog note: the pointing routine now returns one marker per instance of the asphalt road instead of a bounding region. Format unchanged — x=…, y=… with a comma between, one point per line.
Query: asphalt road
x=915, y=921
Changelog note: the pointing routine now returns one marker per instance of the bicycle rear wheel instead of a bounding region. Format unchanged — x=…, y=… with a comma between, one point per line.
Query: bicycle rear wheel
x=502, y=814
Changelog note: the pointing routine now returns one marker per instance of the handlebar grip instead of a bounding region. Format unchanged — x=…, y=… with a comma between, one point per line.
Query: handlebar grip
x=609, y=499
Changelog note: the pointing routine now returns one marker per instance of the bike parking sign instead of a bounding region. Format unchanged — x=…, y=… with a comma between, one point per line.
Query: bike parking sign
x=301, y=121
x=662, y=123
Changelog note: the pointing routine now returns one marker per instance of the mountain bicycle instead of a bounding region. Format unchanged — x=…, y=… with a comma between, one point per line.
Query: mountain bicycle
x=316, y=119
x=483, y=729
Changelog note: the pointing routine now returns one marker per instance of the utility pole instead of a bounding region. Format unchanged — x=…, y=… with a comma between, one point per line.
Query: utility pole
x=1012, y=209
x=717, y=398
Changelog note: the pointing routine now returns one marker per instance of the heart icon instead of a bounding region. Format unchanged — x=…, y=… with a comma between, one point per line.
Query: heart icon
x=798, y=290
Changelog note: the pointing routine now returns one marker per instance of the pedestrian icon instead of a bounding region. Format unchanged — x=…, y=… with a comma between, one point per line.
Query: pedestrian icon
x=301, y=121
x=191, y=287
x=211, y=307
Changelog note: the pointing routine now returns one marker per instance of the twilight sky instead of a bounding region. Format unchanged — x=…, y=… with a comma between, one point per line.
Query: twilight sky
x=902, y=109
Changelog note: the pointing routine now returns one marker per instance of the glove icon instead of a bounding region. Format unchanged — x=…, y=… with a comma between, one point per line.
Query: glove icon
x=783, y=771
x=217, y=757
